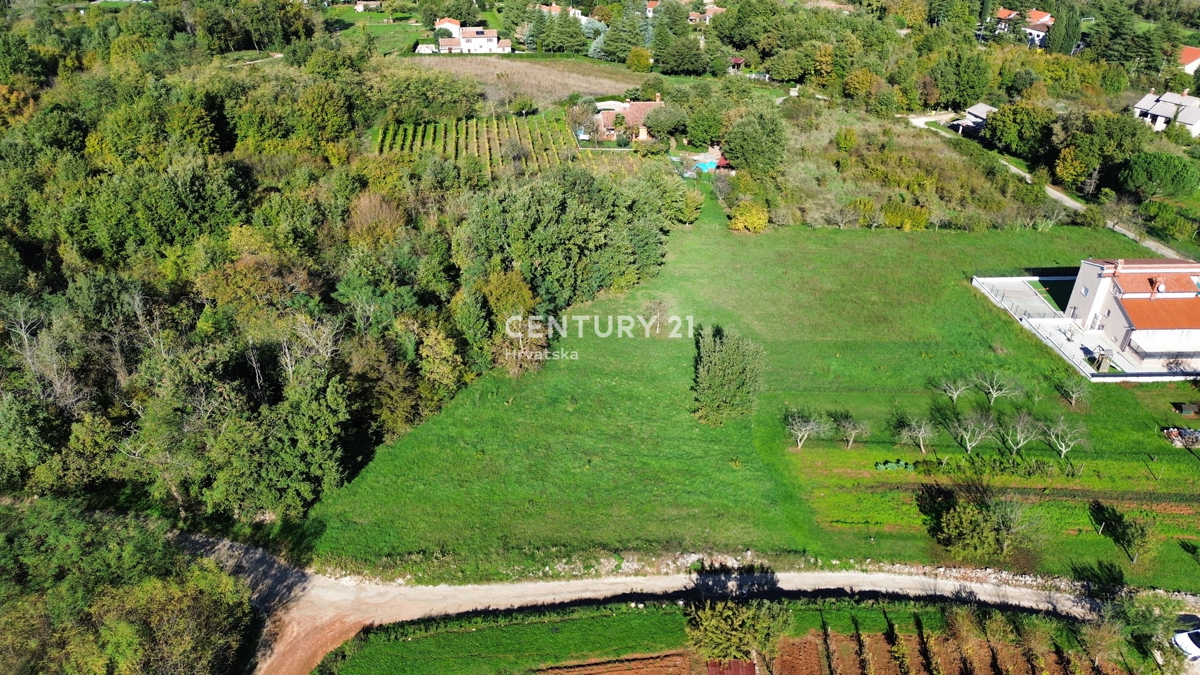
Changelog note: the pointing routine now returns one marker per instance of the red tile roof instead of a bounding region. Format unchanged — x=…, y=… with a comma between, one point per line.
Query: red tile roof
x=1005, y=14
x=1141, y=282
x=1188, y=55
x=1163, y=313
x=635, y=114
x=447, y=20
x=1038, y=16
x=449, y=42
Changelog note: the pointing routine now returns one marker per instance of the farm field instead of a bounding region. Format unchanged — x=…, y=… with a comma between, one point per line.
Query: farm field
x=595, y=464
x=546, y=139
x=855, y=638
x=545, y=79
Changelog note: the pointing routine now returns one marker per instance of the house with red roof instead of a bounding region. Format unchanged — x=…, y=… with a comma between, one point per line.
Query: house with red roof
x=1037, y=24
x=1148, y=309
x=470, y=40
x=1189, y=59
x=629, y=118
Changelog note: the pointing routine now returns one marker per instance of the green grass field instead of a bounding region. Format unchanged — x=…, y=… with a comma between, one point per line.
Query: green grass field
x=511, y=643
x=557, y=472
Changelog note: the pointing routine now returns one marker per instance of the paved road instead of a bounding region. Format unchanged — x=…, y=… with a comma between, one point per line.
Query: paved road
x=312, y=614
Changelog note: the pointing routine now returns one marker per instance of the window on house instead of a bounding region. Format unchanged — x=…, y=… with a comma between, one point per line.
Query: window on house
x=1107, y=313
x=1085, y=291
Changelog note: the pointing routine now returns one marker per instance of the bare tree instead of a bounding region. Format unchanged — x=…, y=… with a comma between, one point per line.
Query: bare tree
x=953, y=387
x=1011, y=521
x=50, y=364
x=805, y=424
x=841, y=217
x=1019, y=431
x=149, y=322
x=23, y=321
x=917, y=432
x=1063, y=436
x=1073, y=389
x=994, y=387
x=972, y=429
x=850, y=428
x=320, y=336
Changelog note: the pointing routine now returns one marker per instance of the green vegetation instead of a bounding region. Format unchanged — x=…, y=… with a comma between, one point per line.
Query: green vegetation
x=536, y=143
x=510, y=642
x=83, y=592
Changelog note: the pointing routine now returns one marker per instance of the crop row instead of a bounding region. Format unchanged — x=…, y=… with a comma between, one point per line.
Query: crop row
x=538, y=143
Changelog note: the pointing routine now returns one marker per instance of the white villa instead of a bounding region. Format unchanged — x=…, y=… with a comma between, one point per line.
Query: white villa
x=1148, y=309
x=1189, y=59
x=1036, y=27
x=1159, y=111
x=469, y=40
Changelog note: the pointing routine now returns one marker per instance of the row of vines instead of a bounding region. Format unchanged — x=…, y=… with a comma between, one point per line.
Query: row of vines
x=538, y=142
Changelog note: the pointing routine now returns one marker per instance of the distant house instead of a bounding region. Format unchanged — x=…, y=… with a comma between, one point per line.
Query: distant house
x=1037, y=24
x=976, y=118
x=554, y=10
x=705, y=16
x=1159, y=111
x=1148, y=309
x=367, y=6
x=470, y=40
x=1189, y=59
x=633, y=116
x=452, y=25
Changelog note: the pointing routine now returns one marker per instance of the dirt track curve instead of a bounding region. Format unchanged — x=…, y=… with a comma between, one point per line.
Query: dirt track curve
x=312, y=614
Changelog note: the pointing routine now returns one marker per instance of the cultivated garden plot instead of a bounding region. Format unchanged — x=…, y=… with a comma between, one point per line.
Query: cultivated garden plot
x=791, y=637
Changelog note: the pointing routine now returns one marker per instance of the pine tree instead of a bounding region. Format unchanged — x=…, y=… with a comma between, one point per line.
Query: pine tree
x=625, y=34
x=569, y=32
x=537, y=30
x=660, y=46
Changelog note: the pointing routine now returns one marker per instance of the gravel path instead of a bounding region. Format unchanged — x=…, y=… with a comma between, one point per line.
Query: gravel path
x=312, y=614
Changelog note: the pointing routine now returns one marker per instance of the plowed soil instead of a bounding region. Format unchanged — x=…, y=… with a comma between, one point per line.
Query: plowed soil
x=673, y=663
x=845, y=655
x=800, y=656
x=881, y=657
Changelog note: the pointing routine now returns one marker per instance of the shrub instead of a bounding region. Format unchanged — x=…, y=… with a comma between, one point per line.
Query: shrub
x=749, y=216
x=729, y=375
x=1149, y=174
x=1090, y=216
x=845, y=139
x=638, y=60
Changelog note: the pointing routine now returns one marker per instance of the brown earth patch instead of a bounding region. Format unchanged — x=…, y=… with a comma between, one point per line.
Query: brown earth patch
x=671, y=663
x=1012, y=661
x=799, y=656
x=916, y=663
x=845, y=655
x=881, y=657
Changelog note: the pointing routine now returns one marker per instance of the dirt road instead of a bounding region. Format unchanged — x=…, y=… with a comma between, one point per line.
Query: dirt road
x=312, y=614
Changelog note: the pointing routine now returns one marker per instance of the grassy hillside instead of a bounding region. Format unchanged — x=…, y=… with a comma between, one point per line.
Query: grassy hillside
x=599, y=455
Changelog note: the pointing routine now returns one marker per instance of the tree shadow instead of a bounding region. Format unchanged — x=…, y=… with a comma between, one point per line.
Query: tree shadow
x=726, y=581
x=1190, y=548
x=1103, y=580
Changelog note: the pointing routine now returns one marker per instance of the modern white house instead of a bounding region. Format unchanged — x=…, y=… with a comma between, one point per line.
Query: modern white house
x=1147, y=309
x=469, y=40
x=1160, y=110
x=1037, y=24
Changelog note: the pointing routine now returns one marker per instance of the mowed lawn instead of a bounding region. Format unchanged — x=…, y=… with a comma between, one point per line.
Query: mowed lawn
x=588, y=462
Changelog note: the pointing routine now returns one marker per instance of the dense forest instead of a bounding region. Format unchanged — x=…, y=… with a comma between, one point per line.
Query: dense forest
x=216, y=304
